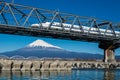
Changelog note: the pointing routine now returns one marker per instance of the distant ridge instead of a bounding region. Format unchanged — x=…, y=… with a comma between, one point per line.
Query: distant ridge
x=40, y=48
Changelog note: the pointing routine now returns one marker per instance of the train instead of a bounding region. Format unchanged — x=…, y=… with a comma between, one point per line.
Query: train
x=76, y=28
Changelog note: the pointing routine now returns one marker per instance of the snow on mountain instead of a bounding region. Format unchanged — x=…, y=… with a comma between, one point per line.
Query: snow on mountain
x=43, y=44
x=40, y=48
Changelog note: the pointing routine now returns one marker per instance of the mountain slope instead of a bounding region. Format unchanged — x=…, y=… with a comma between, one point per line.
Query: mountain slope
x=40, y=48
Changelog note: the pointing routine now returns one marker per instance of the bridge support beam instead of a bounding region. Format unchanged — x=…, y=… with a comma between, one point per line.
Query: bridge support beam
x=109, y=55
x=109, y=51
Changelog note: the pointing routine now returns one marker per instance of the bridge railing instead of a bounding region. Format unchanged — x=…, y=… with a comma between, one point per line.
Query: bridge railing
x=40, y=19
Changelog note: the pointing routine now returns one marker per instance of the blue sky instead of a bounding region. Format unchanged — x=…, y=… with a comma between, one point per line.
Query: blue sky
x=103, y=9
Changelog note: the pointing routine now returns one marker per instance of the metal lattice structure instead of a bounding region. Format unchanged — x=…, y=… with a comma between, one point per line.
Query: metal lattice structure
x=25, y=20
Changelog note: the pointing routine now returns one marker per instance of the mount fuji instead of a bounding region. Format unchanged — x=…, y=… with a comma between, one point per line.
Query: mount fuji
x=40, y=48
x=42, y=44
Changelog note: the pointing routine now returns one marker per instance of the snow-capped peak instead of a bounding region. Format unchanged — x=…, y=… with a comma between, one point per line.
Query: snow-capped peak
x=41, y=43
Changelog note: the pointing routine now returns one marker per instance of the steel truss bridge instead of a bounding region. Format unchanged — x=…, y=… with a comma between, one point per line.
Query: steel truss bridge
x=30, y=21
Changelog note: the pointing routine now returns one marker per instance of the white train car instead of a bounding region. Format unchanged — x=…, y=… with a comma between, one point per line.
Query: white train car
x=76, y=28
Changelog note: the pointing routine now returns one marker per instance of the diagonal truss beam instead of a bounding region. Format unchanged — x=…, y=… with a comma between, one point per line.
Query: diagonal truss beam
x=21, y=15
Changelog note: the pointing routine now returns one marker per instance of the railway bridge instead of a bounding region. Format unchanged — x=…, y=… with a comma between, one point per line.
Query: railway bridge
x=30, y=21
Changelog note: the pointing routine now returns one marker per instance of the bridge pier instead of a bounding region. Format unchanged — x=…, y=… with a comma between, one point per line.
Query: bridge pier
x=109, y=55
x=109, y=51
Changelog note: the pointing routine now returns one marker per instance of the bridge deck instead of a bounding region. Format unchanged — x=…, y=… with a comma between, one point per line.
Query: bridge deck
x=30, y=21
x=54, y=33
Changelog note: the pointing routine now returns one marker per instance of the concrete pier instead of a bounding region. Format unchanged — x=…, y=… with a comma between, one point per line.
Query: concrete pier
x=54, y=65
x=109, y=51
x=109, y=55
